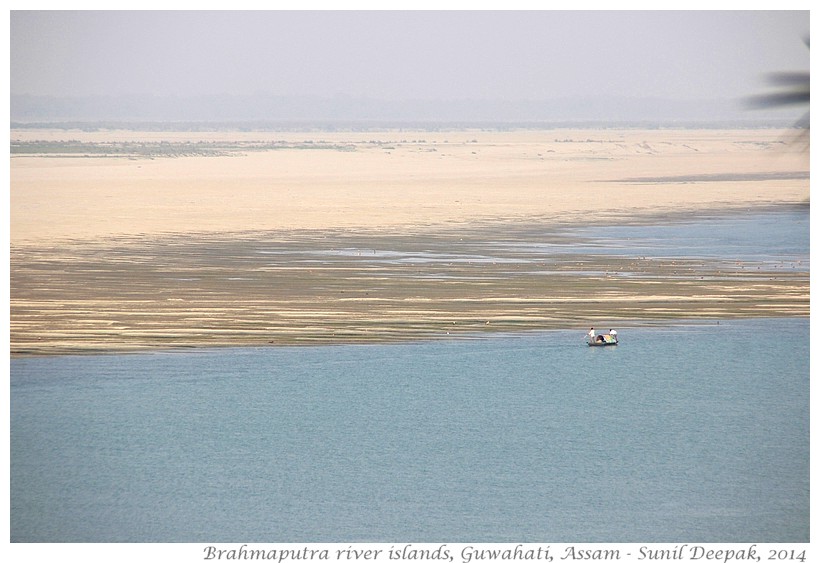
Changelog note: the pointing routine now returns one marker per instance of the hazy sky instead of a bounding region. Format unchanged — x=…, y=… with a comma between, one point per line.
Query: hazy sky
x=404, y=55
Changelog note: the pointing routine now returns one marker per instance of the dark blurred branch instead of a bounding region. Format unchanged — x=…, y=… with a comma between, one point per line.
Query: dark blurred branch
x=781, y=99
x=799, y=78
x=800, y=93
x=797, y=90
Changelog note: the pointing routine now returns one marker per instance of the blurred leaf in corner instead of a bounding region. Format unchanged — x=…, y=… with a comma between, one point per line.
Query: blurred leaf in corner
x=794, y=88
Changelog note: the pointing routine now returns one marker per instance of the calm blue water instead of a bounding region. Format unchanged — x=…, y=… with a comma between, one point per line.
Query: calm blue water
x=694, y=433
x=774, y=237
x=771, y=238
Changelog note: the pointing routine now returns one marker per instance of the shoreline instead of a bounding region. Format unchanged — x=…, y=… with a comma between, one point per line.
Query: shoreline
x=288, y=288
x=408, y=340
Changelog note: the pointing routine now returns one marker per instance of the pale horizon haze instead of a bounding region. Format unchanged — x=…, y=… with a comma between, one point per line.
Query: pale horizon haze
x=395, y=56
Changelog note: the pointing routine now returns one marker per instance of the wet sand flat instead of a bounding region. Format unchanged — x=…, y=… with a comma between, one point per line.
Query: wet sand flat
x=317, y=237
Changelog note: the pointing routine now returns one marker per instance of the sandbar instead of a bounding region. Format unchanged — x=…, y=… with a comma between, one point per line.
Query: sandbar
x=137, y=240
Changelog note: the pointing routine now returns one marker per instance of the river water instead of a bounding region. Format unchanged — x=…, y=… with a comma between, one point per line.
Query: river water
x=693, y=432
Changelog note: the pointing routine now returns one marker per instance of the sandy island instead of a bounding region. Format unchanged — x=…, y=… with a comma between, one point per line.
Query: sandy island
x=125, y=240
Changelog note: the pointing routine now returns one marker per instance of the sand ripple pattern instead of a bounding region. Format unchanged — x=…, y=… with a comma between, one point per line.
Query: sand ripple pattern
x=323, y=287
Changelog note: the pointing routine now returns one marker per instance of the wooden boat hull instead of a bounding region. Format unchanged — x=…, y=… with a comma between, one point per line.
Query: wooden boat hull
x=615, y=343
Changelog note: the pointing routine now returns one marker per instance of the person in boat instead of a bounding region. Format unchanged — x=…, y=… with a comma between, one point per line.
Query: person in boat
x=591, y=335
x=614, y=334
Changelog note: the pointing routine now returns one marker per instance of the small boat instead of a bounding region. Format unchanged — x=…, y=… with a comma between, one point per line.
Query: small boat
x=604, y=340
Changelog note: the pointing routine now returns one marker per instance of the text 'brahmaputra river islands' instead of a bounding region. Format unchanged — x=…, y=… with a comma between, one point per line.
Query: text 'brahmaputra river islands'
x=465, y=553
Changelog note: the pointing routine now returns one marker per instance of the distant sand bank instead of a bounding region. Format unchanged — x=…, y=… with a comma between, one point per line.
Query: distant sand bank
x=375, y=237
x=389, y=179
